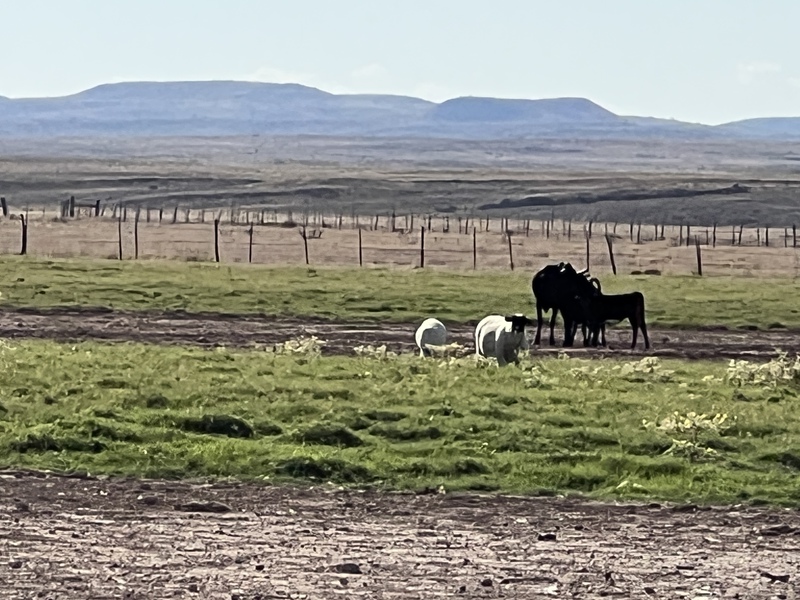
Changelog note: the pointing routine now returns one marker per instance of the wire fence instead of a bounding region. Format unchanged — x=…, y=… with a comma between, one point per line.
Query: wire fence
x=262, y=236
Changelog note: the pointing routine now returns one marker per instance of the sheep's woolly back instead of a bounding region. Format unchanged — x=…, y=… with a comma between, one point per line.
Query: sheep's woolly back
x=431, y=332
x=484, y=334
x=494, y=338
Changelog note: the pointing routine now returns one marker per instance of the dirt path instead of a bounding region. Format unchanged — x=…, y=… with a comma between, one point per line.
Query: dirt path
x=238, y=331
x=78, y=538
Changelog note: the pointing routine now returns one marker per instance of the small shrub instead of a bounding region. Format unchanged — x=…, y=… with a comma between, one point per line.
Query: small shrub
x=308, y=346
x=330, y=435
x=373, y=352
x=778, y=370
x=690, y=425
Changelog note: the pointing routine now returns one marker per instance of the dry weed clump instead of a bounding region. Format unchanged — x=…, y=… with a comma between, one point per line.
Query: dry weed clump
x=771, y=374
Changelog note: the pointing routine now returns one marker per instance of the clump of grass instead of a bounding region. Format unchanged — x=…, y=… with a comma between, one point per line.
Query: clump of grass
x=329, y=435
x=226, y=425
x=405, y=434
x=387, y=416
x=329, y=469
x=49, y=439
x=157, y=401
x=267, y=428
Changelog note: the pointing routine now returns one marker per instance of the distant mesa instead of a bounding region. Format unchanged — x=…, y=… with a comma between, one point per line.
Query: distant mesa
x=217, y=108
x=493, y=110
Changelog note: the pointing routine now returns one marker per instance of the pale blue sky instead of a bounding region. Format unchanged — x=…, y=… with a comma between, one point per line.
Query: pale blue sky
x=708, y=61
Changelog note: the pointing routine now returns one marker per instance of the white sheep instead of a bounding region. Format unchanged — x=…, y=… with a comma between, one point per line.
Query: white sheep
x=431, y=332
x=502, y=337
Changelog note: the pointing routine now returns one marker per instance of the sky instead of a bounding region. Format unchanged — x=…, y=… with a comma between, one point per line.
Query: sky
x=707, y=61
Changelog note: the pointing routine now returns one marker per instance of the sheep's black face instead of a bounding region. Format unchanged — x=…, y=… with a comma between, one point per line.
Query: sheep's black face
x=518, y=322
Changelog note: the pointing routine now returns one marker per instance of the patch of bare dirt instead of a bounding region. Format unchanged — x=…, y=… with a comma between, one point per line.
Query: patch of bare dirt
x=209, y=330
x=89, y=538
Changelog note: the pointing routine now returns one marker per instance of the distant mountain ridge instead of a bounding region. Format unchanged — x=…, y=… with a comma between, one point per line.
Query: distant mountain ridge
x=210, y=108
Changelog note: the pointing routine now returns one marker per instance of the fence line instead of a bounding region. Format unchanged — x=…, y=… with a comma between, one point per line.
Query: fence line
x=561, y=238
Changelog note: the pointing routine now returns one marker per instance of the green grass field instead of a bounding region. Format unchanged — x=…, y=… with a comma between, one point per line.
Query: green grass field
x=556, y=425
x=374, y=294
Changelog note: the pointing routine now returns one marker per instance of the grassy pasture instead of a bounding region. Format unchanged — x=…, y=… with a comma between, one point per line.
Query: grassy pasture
x=400, y=422
x=374, y=294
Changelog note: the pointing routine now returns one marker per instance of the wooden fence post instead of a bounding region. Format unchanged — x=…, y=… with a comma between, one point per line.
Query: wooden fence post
x=474, y=248
x=360, y=250
x=24, y=222
x=766, y=235
x=305, y=242
x=794, y=235
x=216, y=235
x=97, y=208
x=119, y=233
x=250, y=246
x=136, y=234
x=587, y=252
x=699, y=257
x=4, y=206
x=714, y=236
x=422, y=246
x=510, y=253
x=741, y=229
x=610, y=253
x=688, y=235
x=175, y=215
x=72, y=206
